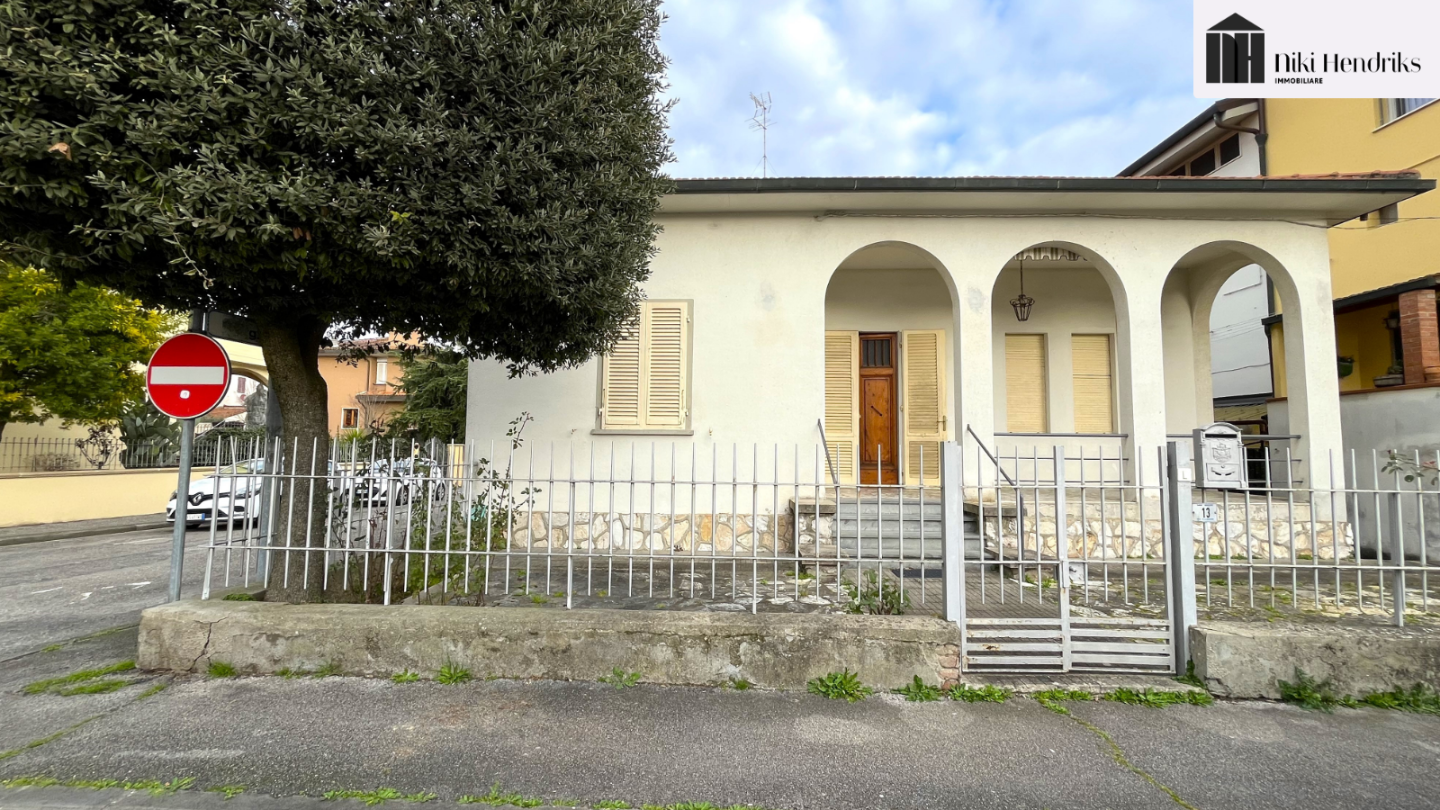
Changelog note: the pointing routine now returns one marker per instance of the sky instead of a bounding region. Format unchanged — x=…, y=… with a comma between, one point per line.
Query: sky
x=926, y=87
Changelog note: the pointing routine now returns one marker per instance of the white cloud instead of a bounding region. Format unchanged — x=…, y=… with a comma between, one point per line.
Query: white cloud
x=862, y=87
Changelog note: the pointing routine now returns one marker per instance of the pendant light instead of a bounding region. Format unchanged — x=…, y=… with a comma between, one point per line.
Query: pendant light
x=1023, y=303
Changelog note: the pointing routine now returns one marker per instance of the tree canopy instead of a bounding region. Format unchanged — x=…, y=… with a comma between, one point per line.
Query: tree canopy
x=70, y=354
x=481, y=172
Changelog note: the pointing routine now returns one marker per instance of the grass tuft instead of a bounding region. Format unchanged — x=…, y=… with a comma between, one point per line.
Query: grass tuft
x=988, y=693
x=452, y=673
x=1313, y=695
x=1150, y=698
x=1052, y=698
x=1189, y=678
x=369, y=797
x=49, y=684
x=497, y=798
x=328, y=669
x=620, y=679
x=844, y=685
x=220, y=669
x=240, y=597
x=1419, y=699
x=919, y=692
x=52, y=647
x=152, y=691
x=230, y=791
x=405, y=676
x=739, y=684
x=612, y=804
x=94, y=687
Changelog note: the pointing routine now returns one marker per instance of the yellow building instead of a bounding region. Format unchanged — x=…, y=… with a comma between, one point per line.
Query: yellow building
x=1385, y=266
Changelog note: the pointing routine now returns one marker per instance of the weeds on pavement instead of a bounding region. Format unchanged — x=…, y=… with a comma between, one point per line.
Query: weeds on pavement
x=919, y=692
x=452, y=673
x=978, y=694
x=1157, y=700
x=220, y=669
x=620, y=679
x=405, y=676
x=81, y=676
x=844, y=685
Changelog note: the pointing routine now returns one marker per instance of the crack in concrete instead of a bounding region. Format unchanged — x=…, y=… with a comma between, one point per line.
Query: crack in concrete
x=209, y=630
x=1118, y=753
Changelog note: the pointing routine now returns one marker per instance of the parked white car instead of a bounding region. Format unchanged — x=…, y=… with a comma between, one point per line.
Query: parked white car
x=231, y=491
x=377, y=483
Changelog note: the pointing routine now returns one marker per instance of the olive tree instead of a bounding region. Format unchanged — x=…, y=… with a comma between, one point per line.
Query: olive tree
x=481, y=172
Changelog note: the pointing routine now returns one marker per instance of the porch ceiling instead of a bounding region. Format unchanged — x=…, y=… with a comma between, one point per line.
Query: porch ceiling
x=1331, y=200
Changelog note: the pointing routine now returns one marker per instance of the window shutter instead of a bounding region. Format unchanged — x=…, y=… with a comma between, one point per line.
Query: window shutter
x=842, y=381
x=621, y=384
x=1025, y=391
x=1094, y=389
x=666, y=355
x=923, y=375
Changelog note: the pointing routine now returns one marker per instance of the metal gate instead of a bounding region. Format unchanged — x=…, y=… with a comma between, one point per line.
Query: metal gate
x=1072, y=573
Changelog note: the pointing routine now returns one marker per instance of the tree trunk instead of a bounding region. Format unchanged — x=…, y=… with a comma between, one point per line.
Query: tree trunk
x=292, y=356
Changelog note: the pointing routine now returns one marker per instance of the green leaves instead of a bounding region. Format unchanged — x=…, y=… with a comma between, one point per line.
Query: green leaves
x=482, y=174
x=70, y=353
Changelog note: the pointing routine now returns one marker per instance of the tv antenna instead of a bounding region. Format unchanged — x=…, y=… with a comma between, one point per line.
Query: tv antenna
x=761, y=121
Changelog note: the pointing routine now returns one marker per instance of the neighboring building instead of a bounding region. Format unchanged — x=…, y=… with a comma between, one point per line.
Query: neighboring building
x=888, y=311
x=1385, y=268
x=363, y=392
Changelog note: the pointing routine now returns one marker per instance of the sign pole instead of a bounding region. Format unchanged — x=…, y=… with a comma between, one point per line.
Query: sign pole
x=182, y=500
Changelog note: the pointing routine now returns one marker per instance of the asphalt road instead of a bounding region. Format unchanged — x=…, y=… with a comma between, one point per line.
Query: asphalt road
x=593, y=743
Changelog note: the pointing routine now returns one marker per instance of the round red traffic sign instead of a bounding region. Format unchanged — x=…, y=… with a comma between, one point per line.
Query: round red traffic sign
x=188, y=376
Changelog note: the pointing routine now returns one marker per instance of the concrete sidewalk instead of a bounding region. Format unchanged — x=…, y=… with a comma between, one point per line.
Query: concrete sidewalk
x=41, y=532
x=591, y=743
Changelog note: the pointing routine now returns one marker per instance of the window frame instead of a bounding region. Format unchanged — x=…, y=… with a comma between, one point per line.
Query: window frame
x=1114, y=383
x=382, y=371
x=355, y=412
x=1388, y=115
x=1046, y=364
x=687, y=384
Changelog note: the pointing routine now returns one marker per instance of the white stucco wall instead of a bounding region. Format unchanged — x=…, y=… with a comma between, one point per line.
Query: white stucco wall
x=1239, y=349
x=759, y=281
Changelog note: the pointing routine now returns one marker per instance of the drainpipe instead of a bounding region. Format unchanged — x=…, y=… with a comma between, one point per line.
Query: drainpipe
x=1261, y=134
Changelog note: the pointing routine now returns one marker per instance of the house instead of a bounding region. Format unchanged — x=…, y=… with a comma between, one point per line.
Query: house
x=1384, y=272
x=363, y=391
x=1016, y=314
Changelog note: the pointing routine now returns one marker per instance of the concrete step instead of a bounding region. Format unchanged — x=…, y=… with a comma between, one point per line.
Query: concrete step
x=932, y=510
x=891, y=549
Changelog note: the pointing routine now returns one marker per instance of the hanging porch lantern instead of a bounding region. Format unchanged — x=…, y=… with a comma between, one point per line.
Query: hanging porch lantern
x=1023, y=303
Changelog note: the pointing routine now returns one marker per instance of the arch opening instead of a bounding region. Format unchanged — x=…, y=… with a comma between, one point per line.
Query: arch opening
x=890, y=374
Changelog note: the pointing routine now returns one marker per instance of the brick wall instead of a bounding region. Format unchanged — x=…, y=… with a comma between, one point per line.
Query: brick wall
x=1420, y=336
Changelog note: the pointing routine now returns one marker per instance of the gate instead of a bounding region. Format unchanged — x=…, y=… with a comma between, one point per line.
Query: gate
x=1072, y=571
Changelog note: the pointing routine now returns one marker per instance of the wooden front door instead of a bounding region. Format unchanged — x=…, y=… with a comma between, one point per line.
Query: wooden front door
x=879, y=409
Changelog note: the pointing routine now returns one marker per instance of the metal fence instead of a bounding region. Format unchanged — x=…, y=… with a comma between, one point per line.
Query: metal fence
x=1364, y=549
x=107, y=452
x=1065, y=561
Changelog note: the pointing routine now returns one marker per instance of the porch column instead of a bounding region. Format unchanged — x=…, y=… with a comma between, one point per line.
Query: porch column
x=974, y=367
x=1420, y=337
x=1140, y=361
x=1313, y=387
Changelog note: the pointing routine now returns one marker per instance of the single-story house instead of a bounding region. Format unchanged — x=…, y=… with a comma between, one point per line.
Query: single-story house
x=1010, y=313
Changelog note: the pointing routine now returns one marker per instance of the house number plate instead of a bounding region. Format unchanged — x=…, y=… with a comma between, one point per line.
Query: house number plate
x=1206, y=512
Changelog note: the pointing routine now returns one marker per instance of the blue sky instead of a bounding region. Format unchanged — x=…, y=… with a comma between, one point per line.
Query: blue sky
x=926, y=87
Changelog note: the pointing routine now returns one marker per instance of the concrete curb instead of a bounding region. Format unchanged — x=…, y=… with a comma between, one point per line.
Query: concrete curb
x=779, y=651
x=1249, y=659
x=44, y=533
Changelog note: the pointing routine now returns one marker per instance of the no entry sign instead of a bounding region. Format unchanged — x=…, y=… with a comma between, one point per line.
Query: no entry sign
x=188, y=376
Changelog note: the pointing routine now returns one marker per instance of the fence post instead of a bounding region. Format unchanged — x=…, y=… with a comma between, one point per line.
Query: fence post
x=952, y=499
x=1062, y=556
x=1396, y=552
x=1180, y=547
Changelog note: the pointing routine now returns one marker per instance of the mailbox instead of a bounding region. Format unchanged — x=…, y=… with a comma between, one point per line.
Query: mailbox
x=1219, y=457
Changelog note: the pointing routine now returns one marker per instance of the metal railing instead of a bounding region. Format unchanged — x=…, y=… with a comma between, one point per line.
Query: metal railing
x=623, y=525
x=1364, y=548
x=106, y=453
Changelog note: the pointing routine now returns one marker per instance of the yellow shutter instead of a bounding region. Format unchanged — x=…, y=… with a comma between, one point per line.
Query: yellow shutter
x=923, y=376
x=842, y=392
x=1025, y=391
x=621, y=385
x=645, y=378
x=666, y=357
x=1094, y=389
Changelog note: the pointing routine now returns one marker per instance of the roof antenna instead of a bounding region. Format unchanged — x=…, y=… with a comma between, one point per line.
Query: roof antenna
x=761, y=121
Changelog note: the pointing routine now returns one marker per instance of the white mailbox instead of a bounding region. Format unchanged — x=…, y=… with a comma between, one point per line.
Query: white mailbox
x=1219, y=457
